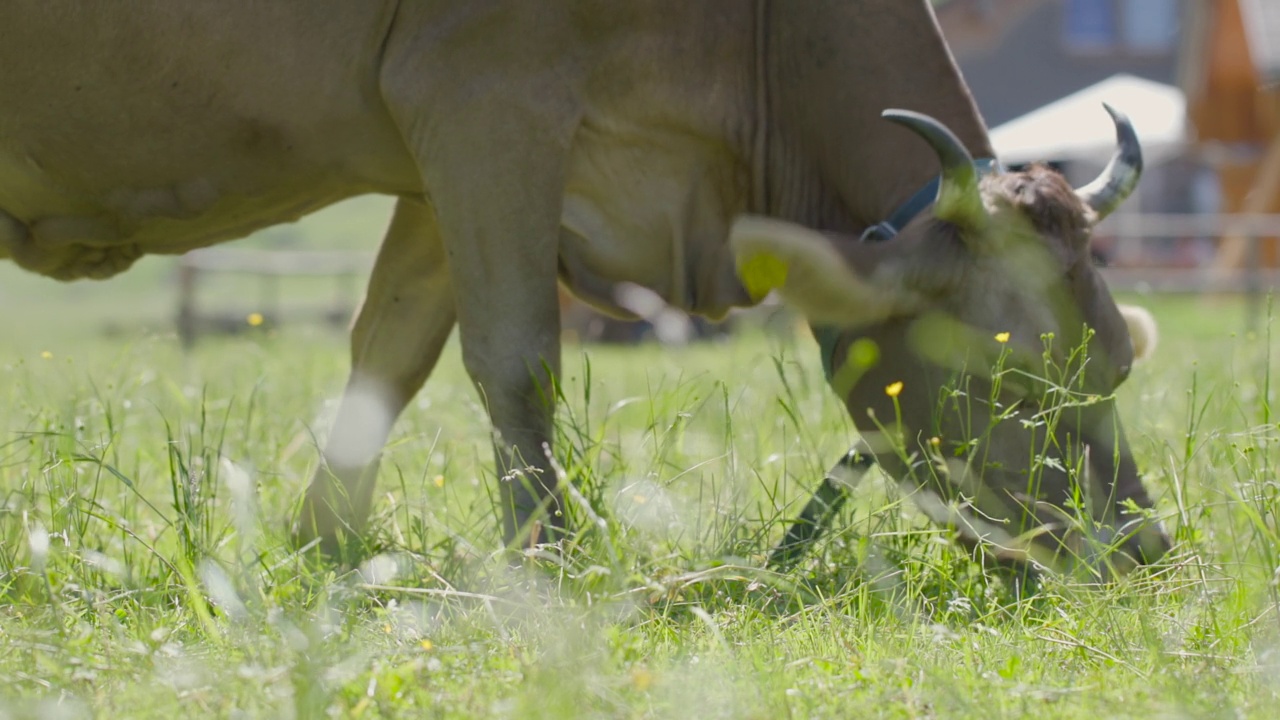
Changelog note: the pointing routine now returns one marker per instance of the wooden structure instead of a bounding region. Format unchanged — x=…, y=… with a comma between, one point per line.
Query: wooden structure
x=269, y=267
x=1231, y=75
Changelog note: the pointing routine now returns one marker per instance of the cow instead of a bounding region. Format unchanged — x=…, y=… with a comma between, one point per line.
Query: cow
x=673, y=145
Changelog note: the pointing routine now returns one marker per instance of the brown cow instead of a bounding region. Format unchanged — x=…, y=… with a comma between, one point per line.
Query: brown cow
x=594, y=141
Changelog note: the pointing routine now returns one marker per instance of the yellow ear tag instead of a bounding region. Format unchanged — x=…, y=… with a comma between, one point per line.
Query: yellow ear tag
x=761, y=274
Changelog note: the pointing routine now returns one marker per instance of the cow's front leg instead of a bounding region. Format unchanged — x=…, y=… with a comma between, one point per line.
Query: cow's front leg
x=401, y=327
x=509, y=324
x=512, y=366
x=490, y=128
x=495, y=175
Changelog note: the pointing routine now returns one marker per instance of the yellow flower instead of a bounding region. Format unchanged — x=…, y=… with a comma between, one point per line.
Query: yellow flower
x=426, y=645
x=893, y=389
x=46, y=355
x=254, y=319
x=1002, y=337
x=438, y=481
x=641, y=678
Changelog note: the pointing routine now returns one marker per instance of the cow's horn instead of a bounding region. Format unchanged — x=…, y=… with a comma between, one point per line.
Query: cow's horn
x=1121, y=175
x=959, y=201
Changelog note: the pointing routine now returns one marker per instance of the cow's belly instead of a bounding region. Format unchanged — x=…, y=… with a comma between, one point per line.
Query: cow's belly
x=99, y=232
x=128, y=133
x=651, y=207
x=67, y=231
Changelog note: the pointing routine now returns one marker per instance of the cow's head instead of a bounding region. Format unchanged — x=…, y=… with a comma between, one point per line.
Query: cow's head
x=978, y=350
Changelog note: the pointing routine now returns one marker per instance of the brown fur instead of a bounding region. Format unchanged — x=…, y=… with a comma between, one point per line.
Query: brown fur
x=1044, y=198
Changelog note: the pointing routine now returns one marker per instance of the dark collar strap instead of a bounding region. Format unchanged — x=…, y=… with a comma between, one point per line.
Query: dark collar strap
x=916, y=204
x=828, y=336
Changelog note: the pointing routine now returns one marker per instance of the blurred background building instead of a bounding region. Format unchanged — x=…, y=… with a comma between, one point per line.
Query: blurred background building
x=1198, y=77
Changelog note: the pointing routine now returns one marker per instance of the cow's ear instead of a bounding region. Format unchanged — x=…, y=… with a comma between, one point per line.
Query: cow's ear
x=1143, y=330
x=815, y=272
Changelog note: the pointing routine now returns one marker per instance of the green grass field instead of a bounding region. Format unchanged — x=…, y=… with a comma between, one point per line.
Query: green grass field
x=145, y=568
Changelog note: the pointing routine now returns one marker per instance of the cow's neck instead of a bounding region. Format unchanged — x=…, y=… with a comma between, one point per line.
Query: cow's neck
x=829, y=68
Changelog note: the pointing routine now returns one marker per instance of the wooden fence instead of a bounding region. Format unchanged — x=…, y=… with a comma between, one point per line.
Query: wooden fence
x=269, y=267
x=1241, y=257
x=1233, y=263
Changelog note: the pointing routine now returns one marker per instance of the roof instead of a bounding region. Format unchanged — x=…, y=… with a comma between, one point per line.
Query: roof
x=1077, y=128
x=1262, y=24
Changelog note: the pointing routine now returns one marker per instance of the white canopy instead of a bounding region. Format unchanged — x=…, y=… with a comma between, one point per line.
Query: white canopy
x=1077, y=128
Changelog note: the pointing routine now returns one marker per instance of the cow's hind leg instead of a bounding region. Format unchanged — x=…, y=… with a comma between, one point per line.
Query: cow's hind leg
x=397, y=337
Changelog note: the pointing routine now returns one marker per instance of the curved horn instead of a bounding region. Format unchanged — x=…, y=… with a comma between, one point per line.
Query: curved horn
x=959, y=201
x=1121, y=175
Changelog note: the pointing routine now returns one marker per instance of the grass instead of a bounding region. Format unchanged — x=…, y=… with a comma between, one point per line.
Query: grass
x=145, y=569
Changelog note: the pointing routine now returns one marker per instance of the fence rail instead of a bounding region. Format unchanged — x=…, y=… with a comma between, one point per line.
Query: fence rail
x=269, y=266
x=277, y=262
x=1169, y=225
x=1236, y=242
x=1237, y=264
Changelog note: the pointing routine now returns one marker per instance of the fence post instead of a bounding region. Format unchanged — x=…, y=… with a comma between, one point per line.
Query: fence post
x=1253, y=284
x=186, y=320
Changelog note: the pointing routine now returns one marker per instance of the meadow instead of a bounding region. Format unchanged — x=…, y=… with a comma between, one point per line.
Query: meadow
x=146, y=568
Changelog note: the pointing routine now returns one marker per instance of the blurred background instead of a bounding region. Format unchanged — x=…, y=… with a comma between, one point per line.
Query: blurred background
x=1199, y=78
